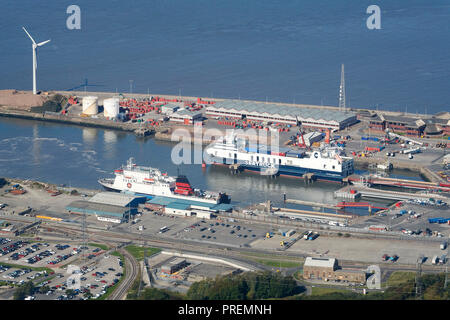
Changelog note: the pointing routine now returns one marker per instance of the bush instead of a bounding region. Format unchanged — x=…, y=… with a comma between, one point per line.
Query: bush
x=249, y=285
x=27, y=289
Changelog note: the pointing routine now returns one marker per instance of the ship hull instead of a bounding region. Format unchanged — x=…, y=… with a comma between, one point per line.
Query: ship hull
x=110, y=187
x=292, y=172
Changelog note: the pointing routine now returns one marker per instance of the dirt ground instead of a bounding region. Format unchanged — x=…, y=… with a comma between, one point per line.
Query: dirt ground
x=21, y=99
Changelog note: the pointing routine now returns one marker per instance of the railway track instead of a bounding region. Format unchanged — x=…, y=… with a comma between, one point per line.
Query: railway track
x=131, y=272
x=237, y=254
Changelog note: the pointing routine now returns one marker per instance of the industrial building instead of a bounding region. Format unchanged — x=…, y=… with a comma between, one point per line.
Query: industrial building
x=187, y=208
x=328, y=269
x=118, y=199
x=174, y=266
x=112, y=205
x=437, y=126
x=186, y=116
x=312, y=137
x=409, y=126
x=169, y=108
x=304, y=116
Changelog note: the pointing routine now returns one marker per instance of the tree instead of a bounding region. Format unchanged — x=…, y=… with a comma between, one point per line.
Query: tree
x=27, y=289
x=87, y=294
x=250, y=285
x=70, y=292
x=44, y=289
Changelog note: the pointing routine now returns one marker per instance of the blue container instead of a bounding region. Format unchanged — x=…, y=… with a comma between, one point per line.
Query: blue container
x=364, y=138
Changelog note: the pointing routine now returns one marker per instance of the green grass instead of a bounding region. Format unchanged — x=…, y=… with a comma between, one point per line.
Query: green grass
x=117, y=254
x=320, y=291
x=27, y=267
x=399, y=277
x=138, y=252
x=98, y=245
x=279, y=263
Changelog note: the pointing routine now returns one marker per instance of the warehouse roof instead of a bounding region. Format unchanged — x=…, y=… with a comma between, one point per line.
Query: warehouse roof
x=320, y=262
x=312, y=135
x=165, y=201
x=405, y=120
x=113, y=198
x=170, y=202
x=96, y=208
x=179, y=206
x=185, y=113
x=259, y=108
x=170, y=106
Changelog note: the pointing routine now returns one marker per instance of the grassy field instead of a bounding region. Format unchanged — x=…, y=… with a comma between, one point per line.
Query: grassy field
x=98, y=245
x=279, y=263
x=138, y=252
x=268, y=260
x=319, y=290
x=27, y=267
x=399, y=277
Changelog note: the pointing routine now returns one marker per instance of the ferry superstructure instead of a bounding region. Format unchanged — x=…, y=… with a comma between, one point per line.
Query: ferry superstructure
x=327, y=163
x=152, y=182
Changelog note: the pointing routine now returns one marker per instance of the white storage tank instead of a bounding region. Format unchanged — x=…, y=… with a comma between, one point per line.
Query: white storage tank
x=90, y=105
x=111, y=107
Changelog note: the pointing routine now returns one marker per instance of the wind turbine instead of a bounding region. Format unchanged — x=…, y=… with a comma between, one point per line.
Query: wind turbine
x=34, y=45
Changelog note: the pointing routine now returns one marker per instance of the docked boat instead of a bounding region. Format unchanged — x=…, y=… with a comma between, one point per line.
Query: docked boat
x=152, y=182
x=323, y=163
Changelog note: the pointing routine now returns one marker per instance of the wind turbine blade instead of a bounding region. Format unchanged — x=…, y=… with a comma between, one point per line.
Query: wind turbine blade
x=42, y=43
x=29, y=35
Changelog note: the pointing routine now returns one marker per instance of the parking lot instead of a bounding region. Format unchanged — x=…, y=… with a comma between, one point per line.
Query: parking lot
x=223, y=232
x=411, y=219
x=101, y=270
x=359, y=250
x=219, y=231
x=40, y=254
x=95, y=277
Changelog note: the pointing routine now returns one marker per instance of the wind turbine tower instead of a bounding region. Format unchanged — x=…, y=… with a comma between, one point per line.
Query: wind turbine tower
x=342, y=91
x=34, y=46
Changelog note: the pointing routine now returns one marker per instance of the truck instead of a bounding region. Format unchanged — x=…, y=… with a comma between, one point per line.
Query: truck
x=435, y=260
x=313, y=236
x=307, y=234
x=393, y=258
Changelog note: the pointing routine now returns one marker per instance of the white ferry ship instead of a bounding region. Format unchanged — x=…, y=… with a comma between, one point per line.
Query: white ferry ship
x=328, y=163
x=151, y=182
